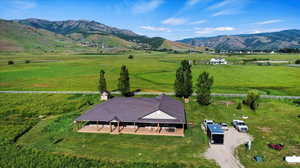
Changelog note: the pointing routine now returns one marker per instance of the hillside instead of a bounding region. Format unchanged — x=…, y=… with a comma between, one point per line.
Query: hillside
x=177, y=46
x=19, y=37
x=92, y=33
x=261, y=41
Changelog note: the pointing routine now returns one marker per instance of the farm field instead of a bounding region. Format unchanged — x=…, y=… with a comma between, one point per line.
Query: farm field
x=153, y=71
x=38, y=124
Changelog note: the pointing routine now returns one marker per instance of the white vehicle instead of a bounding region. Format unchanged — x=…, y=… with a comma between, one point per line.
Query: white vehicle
x=240, y=125
x=207, y=122
x=224, y=126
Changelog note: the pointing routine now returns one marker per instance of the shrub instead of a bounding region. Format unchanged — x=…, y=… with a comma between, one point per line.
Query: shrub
x=239, y=106
x=251, y=99
x=297, y=61
x=27, y=61
x=10, y=62
x=130, y=57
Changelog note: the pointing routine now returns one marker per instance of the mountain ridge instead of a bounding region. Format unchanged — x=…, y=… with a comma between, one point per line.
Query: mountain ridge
x=259, y=41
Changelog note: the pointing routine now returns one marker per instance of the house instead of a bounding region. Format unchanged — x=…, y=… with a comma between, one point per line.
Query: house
x=160, y=115
x=215, y=61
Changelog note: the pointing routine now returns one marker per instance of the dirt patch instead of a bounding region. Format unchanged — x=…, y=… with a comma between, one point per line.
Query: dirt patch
x=150, y=90
x=43, y=85
x=4, y=84
x=226, y=102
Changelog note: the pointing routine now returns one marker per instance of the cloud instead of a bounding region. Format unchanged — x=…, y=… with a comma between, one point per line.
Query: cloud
x=209, y=30
x=221, y=4
x=146, y=6
x=198, y=22
x=174, y=21
x=24, y=4
x=267, y=30
x=224, y=12
x=161, y=29
x=228, y=7
x=192, y=2
x=269, y=22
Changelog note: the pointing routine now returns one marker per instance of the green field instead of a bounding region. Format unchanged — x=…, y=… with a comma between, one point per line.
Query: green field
x=153, y=71
x=42, y=127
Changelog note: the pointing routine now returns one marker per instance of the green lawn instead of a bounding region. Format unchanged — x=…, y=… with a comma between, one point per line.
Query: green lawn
x=45, y=123
x=153, y=71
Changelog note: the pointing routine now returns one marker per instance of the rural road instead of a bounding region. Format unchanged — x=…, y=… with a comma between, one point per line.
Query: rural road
x=150, y=93
x=224, y=154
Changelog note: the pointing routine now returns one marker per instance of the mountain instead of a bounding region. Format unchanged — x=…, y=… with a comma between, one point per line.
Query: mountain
x=92, y=33
x=260, y=41
x=18, y=37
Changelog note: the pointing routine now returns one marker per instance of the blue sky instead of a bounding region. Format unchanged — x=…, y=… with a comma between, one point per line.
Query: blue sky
x=172, y=19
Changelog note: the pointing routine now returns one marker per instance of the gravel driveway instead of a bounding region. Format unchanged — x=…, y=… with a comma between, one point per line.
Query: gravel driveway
x=224, y=154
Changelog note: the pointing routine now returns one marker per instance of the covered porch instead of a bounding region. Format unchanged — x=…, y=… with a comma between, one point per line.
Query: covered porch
x=116, y=127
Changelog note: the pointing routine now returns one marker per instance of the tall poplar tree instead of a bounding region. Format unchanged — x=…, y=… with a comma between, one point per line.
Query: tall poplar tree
x=183, y=84
x=102, y=82
x=203, y=86
x=124, y=85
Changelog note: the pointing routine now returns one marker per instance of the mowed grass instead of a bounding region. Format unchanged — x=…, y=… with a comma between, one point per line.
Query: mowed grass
x=275, y=121
x=153, y=71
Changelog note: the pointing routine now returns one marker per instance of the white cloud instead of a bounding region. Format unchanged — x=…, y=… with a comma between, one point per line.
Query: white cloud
x=221, y=4
x=266, y=30
x=161, y=29
x=198, y=22
x=269, y=22
x=228, y=7
x=146, y=6
x=224, y=12
x=24, y=4
x=174, y=21
x=192, y=2
x=209, y=30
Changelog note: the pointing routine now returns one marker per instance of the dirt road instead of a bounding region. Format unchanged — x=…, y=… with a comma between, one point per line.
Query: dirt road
x=224, y=154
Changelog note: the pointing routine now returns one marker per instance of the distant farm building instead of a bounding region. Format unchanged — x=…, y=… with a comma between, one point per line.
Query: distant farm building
x=215, y=61
x=160, y=115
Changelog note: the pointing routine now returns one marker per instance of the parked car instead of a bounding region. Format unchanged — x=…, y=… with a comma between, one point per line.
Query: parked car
x=240, y=125
x=224, y=126
x=207, y=122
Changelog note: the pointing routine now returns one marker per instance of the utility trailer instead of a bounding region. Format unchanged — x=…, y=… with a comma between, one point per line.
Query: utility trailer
x=215, y=134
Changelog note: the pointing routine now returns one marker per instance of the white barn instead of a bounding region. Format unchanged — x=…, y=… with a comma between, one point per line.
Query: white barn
x=215, y=61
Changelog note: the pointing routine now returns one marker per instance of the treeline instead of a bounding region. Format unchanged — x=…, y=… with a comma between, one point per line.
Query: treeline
x=289, y=50
x=153, y=42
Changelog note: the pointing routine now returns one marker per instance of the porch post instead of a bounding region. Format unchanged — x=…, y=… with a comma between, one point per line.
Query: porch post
x=110, y=127
x=97, y=124
x=118, y=126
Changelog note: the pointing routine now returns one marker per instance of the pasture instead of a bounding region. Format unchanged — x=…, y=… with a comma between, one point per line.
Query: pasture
x=153, y=71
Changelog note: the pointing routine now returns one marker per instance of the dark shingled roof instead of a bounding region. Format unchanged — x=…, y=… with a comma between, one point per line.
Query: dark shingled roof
x=134, y=109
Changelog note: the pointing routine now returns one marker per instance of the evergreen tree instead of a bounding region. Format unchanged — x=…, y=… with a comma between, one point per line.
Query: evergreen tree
x=178, y=85
x=102, y=82
x=124, y=85
x=183, y=85
x=203, y=86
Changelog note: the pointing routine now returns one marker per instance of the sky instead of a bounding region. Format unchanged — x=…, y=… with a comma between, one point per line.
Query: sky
x=171, y=19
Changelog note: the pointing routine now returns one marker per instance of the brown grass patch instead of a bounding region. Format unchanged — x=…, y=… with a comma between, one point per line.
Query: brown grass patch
x=40, y=85
x=4, y=84
x=265, y=129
